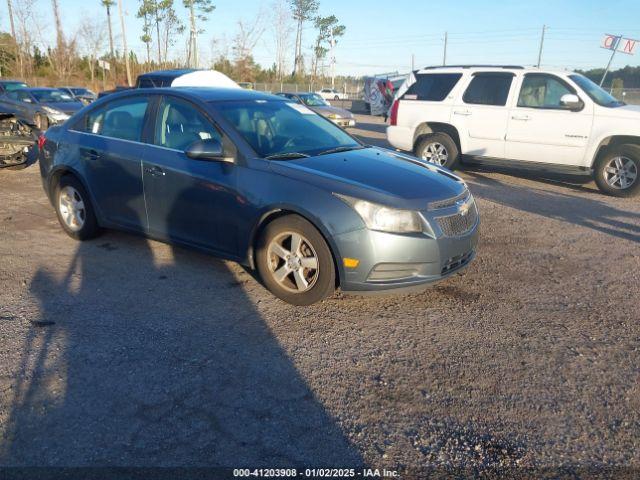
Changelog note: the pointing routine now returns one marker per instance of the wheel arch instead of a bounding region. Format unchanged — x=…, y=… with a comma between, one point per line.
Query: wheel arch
x=65, y=170
x=427, y=128
x=611, y=141
x=282, y=211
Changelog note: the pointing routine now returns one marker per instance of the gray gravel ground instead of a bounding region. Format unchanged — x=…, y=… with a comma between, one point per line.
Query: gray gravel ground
x=123, y=351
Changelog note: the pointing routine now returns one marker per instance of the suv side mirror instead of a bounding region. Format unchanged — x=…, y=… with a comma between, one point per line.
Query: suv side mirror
x=571, y=102
x=209, y=149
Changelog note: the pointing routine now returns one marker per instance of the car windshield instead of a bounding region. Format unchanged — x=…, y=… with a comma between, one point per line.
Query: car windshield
x=284, y=129
x=10, y=86
x=313, y=100
x=51, y=96
x=596, y=93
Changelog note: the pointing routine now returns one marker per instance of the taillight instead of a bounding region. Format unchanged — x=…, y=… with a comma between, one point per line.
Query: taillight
x=41, y=141
x=393, y=118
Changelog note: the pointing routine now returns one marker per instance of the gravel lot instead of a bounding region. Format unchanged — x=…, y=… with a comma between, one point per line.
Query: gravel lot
x=127, y=352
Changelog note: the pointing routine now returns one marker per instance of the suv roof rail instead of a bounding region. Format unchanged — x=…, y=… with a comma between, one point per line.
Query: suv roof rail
x=518, y=67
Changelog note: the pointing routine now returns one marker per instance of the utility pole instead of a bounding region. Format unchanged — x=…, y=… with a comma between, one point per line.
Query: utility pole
x=444, y=56
x=544, y=29
x=613, y=54
x=124, y=42
x=413, y=62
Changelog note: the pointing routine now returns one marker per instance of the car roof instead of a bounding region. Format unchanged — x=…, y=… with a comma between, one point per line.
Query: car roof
x=205, y=94
x=39, y=89
x=490, y=68
x=168, y=73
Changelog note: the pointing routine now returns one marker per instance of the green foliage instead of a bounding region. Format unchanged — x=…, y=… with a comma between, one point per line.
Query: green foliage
x=304, y=10
x=629, y=76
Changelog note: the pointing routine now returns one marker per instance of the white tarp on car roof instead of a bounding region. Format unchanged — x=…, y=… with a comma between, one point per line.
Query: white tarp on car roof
x=204, y=78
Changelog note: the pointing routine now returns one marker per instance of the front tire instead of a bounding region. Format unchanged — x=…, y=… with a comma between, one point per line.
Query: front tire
x=617, y=172
x=438, y=148
x=294, y=261
x=74, y=209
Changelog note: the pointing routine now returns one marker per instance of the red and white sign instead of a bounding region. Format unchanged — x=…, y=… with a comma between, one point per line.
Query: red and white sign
x=620, y=44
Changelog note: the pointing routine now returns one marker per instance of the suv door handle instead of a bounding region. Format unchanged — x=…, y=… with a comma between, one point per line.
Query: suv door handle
x=466, y=113
x=523, y=118
x=154, y=171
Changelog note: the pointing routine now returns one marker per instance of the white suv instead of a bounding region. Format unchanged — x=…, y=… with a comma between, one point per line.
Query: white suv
x=524, y=117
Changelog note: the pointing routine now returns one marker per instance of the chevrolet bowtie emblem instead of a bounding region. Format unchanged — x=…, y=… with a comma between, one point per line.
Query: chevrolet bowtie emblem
x=463, y=207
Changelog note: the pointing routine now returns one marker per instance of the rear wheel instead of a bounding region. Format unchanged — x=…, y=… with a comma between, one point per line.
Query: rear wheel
x=438, y=148
x=336, y=97
x=294, y=261
x=617, y=172
x=74, y=209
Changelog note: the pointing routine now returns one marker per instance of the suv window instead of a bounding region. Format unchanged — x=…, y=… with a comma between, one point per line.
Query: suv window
x=122, y=119
x=432, y=87
x=540, y=90
x=179, y=124
x=488, y=89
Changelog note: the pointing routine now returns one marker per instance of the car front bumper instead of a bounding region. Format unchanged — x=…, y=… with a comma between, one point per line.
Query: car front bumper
x=388, y=261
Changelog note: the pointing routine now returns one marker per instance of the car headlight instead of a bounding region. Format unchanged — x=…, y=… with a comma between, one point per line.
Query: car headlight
x=52, y=111
x=385, y=219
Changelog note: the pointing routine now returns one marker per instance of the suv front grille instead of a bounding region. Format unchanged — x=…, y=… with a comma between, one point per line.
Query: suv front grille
x=459, y=224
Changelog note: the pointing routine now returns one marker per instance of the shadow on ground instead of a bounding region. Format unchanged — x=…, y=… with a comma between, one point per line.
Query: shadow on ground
x=591, y=212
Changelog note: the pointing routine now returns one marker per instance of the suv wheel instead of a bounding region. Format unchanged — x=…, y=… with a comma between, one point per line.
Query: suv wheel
x=294, y=261
x=617, y=172
x=74, y=209
x=438, y=148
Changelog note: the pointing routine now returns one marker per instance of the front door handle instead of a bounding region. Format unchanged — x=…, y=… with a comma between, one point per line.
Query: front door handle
x=524, y=118
x=154, y=171
x=465, y=113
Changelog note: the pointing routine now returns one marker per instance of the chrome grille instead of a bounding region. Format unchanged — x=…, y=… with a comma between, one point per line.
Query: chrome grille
x=449, y=202
x=459, y=224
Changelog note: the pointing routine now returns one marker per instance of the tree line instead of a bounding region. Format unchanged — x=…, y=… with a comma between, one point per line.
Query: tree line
x=170, y=39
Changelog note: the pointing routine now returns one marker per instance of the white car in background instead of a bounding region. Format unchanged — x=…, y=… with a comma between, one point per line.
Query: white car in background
x=554, y=121
x=332, y=94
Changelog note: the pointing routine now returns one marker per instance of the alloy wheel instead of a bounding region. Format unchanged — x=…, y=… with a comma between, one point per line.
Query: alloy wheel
x=620, y=173
x=72, y=208
x=435, y=153
x=293, y=262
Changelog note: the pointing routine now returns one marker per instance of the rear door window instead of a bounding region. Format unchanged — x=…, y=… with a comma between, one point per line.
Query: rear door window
x=123, y=119
x=432, y=87
x=488, y=89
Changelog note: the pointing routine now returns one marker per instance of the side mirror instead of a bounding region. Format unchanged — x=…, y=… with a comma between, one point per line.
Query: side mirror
x=209, y=149
x=571, y=102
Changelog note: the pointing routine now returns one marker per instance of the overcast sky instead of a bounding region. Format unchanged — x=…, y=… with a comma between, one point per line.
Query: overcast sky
x=381, y=36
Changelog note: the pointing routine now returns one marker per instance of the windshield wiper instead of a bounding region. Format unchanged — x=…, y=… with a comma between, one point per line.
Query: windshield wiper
x=342, y=149
x=286, y=155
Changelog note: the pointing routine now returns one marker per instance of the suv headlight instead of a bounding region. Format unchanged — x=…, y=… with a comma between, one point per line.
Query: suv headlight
x=384, y=219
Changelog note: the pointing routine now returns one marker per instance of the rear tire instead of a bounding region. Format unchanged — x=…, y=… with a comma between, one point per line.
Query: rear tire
x=617, y=171
x=336, y=97
x=438, y=148
x=74, y=209
x=294, y=261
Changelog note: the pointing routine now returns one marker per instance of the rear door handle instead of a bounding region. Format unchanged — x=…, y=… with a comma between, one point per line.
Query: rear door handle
x=465, y=113
x=89, y=154
x=154, y=171
x=523, y=118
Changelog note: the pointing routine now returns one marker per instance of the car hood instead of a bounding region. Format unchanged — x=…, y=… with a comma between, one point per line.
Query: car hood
x=376, y=175
x=67, y=107
x=327, y=110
